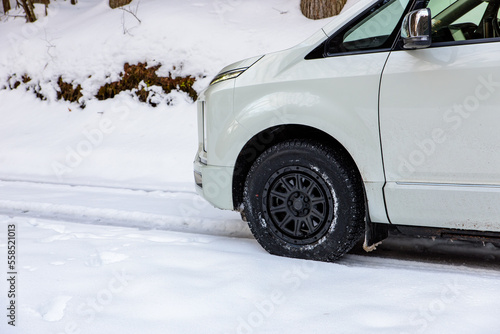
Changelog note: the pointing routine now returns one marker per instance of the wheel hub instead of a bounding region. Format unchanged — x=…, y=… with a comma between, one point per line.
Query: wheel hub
x=298, y=204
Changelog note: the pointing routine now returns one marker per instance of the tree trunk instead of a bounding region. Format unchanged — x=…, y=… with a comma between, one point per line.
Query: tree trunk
x=320, y=9
x=28, y=10
x=118, y=3
x=6, y=5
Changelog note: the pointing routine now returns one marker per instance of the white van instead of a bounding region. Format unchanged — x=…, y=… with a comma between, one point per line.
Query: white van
x=386, y=118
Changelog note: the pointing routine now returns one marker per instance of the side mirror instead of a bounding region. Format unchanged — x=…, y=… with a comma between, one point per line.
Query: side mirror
x=416, y=29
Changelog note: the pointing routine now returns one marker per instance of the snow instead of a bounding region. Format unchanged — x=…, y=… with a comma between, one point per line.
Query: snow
x=96, y=279
x=111, y=237
x=165, y=210
x=143, y=146
x=115, y=142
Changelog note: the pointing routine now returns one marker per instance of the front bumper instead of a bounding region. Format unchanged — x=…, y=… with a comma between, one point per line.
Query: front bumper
x=214, y=183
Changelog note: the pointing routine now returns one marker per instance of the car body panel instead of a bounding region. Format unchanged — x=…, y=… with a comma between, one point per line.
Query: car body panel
x=441, y=152
x=323, y=94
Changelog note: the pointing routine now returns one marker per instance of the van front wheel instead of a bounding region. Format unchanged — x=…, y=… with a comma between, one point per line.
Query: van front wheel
x=304, y=200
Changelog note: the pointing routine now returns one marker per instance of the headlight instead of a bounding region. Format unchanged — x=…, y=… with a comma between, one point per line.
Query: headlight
x=228, y=75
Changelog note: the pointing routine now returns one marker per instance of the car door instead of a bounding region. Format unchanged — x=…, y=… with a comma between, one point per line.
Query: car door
x=439, y=118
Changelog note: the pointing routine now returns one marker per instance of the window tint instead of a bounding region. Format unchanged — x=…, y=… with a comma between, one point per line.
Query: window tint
x=462, y=20
x=473, y=16
x=373, y=31
x=437, y=7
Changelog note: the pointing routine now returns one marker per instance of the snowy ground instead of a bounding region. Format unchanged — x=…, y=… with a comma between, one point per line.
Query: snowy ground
x=97, y=274
x=116, y=240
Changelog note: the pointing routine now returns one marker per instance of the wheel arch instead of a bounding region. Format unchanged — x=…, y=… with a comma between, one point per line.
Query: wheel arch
x=270, y=137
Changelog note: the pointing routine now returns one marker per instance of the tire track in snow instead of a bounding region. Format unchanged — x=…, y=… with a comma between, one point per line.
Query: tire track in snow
x=133, y=219
x=162, y=210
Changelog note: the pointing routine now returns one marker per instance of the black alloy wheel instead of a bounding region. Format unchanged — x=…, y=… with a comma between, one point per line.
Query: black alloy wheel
x=298, y=205
x=305, y=200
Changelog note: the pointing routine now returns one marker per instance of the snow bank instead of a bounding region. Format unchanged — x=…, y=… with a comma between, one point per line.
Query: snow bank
x=121, y=142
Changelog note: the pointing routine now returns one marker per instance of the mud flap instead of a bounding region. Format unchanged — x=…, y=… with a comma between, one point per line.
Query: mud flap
x=374, y=234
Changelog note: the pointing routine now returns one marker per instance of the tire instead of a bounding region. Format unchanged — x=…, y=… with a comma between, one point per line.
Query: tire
x=304, y=200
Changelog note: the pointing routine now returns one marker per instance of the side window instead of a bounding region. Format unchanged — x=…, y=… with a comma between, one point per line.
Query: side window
x=373, y=31
x=437, y=6
x=463, y=20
